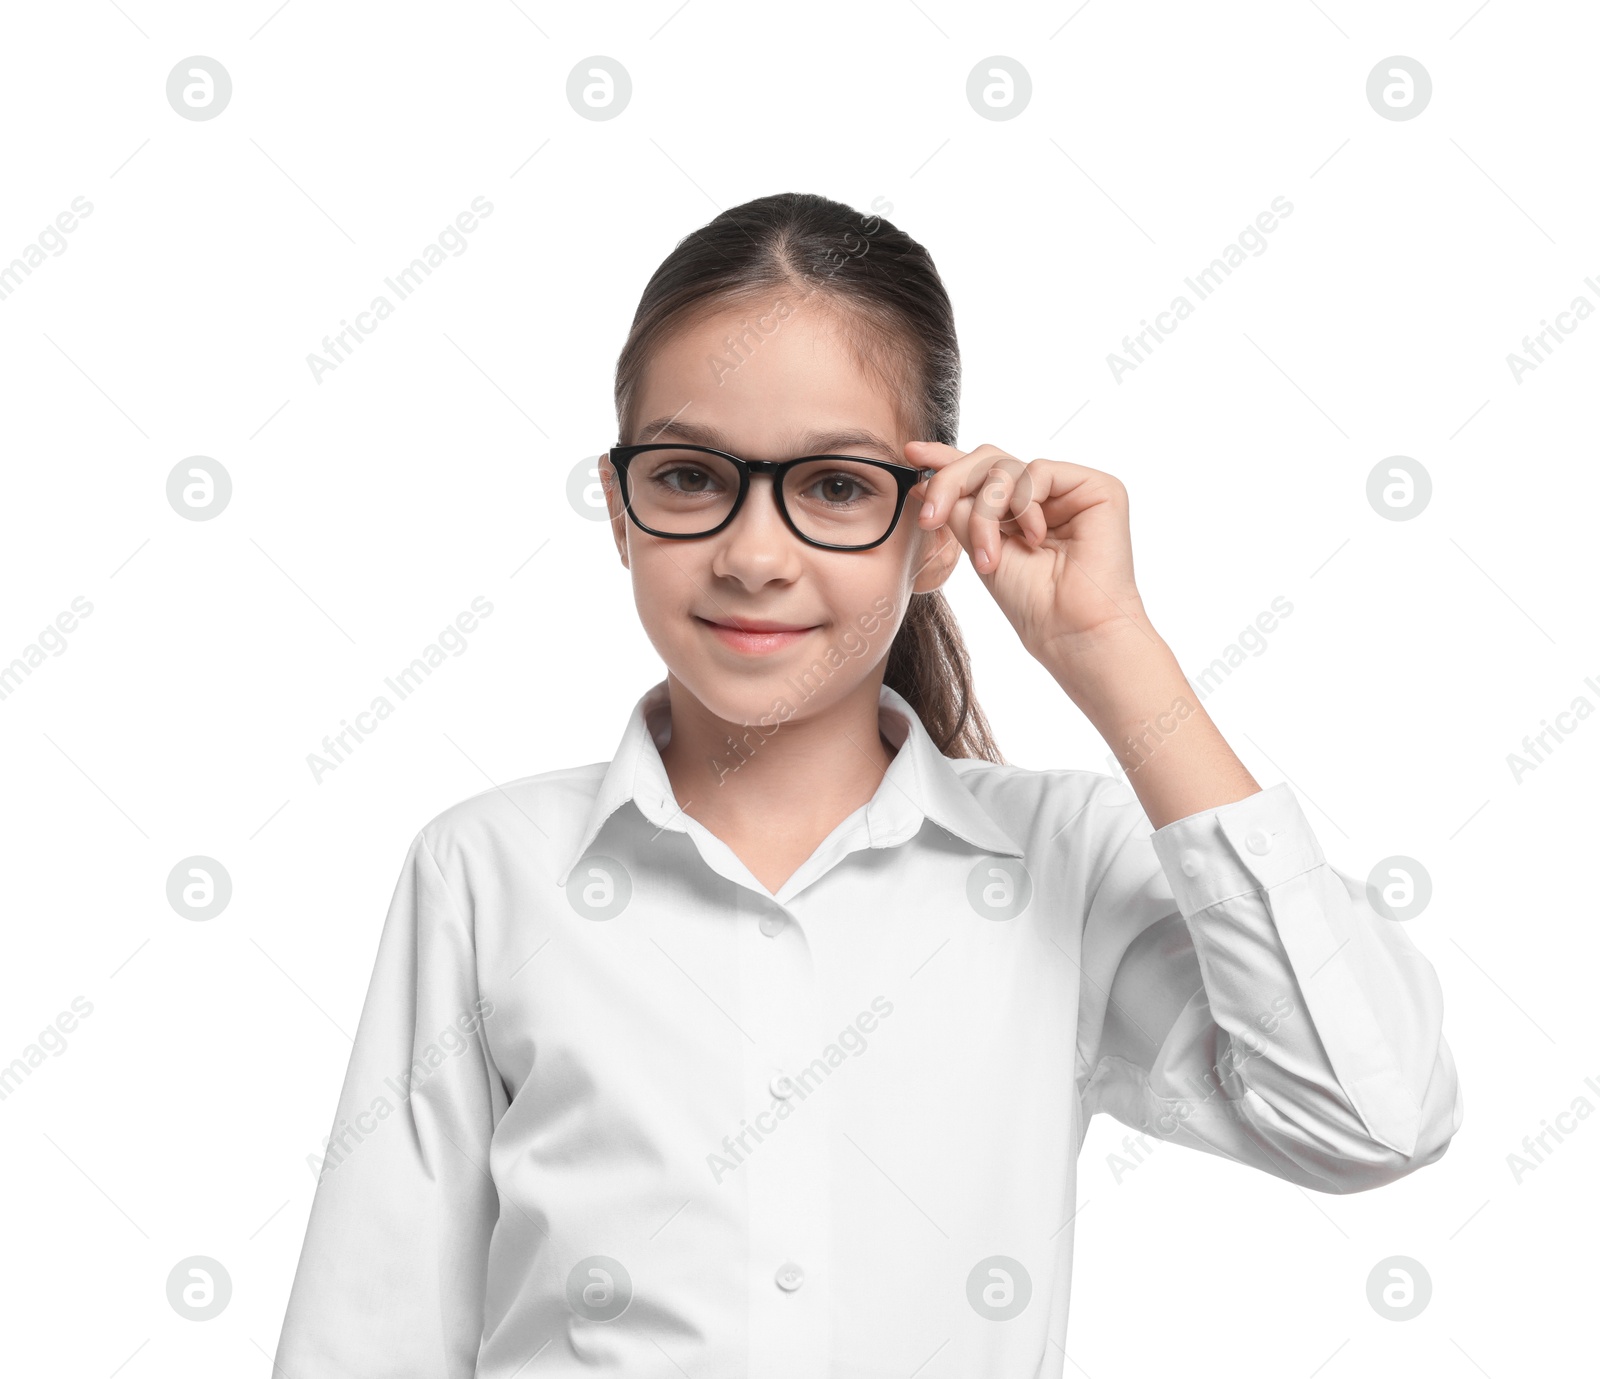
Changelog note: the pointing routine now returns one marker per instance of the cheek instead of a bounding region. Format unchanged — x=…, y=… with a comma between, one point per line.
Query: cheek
x=662, y=580
x=868, y=598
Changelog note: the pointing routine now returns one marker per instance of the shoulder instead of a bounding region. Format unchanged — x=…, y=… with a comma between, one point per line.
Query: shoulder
x=533, y=815
x=1043, y=806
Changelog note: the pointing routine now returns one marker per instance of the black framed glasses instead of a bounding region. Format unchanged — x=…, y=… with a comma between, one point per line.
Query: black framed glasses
x=838, y=502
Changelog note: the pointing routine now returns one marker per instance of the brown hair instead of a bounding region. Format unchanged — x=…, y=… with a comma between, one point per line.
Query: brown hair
x=900, y=325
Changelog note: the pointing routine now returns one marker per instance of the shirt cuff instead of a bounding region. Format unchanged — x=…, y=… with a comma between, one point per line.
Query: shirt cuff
x=1247, y=845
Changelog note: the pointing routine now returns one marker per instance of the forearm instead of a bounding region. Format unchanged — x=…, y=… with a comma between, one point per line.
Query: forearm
x=1129, y=685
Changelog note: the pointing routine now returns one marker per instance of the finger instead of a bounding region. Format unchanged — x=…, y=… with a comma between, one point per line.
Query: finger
x=1030, y=523
x=961, y=473
x=960, y=522
x=933, y=505
x=1064, y=490
x=983, y=494
x=951, y=482
x=1067, y=488
x=1027, y=502
x=1003, y=492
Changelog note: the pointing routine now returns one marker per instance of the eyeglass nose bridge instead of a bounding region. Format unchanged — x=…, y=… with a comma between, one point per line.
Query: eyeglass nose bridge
x=770, y=468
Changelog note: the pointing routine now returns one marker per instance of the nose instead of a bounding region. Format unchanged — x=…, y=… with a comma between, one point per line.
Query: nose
x=757, y=545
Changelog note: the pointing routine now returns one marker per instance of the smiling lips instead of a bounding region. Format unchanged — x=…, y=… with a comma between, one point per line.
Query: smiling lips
x=756, y=636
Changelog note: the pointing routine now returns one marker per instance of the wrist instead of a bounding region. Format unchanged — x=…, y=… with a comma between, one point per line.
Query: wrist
x=1120, y=676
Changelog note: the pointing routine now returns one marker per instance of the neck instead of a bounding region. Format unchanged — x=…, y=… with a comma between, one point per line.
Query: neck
x=796, y=774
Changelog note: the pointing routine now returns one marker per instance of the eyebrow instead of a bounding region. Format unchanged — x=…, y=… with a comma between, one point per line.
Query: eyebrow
x=810, y=443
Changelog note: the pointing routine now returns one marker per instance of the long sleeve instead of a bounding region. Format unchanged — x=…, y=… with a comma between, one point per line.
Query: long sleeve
x=390, y=1281
x=1241, y=996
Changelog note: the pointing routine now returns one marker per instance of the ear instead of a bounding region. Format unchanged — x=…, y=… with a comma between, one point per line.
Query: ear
x=619, y=516
x=938, y=554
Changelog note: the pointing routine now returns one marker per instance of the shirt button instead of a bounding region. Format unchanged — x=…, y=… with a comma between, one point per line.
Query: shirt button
x=1189, y=860
x=1258, y=842
x=772, y=924
x=780, y=1084
x=790, y=1276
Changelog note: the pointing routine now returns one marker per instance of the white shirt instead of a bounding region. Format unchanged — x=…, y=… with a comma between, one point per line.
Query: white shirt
x=658, y=1116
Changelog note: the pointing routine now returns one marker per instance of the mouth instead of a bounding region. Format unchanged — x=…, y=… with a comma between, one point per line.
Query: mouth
x=755, y=636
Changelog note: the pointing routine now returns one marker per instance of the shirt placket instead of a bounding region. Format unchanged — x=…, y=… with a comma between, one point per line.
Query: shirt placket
x=786, y=1164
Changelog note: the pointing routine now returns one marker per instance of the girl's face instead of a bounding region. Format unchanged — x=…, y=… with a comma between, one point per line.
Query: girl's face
x=799, y=390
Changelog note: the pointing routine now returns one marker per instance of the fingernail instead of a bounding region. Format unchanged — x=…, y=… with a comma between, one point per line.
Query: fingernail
x=927, y=510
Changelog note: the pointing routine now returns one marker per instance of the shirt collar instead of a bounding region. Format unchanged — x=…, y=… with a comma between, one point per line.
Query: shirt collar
x=920, y=782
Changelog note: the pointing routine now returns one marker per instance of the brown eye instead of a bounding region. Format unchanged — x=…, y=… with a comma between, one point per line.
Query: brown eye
x=838, y=490
x=695, y=482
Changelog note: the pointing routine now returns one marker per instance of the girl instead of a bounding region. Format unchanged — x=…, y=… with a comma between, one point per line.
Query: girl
x=767, y=1048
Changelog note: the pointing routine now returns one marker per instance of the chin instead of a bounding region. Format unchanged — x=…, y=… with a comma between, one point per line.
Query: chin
x=752, y=696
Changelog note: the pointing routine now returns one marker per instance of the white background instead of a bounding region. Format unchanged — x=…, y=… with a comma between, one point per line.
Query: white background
x=369, y=509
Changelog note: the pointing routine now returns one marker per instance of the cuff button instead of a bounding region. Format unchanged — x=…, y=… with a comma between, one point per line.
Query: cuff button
x=1189, y=860
x=1259, y=842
